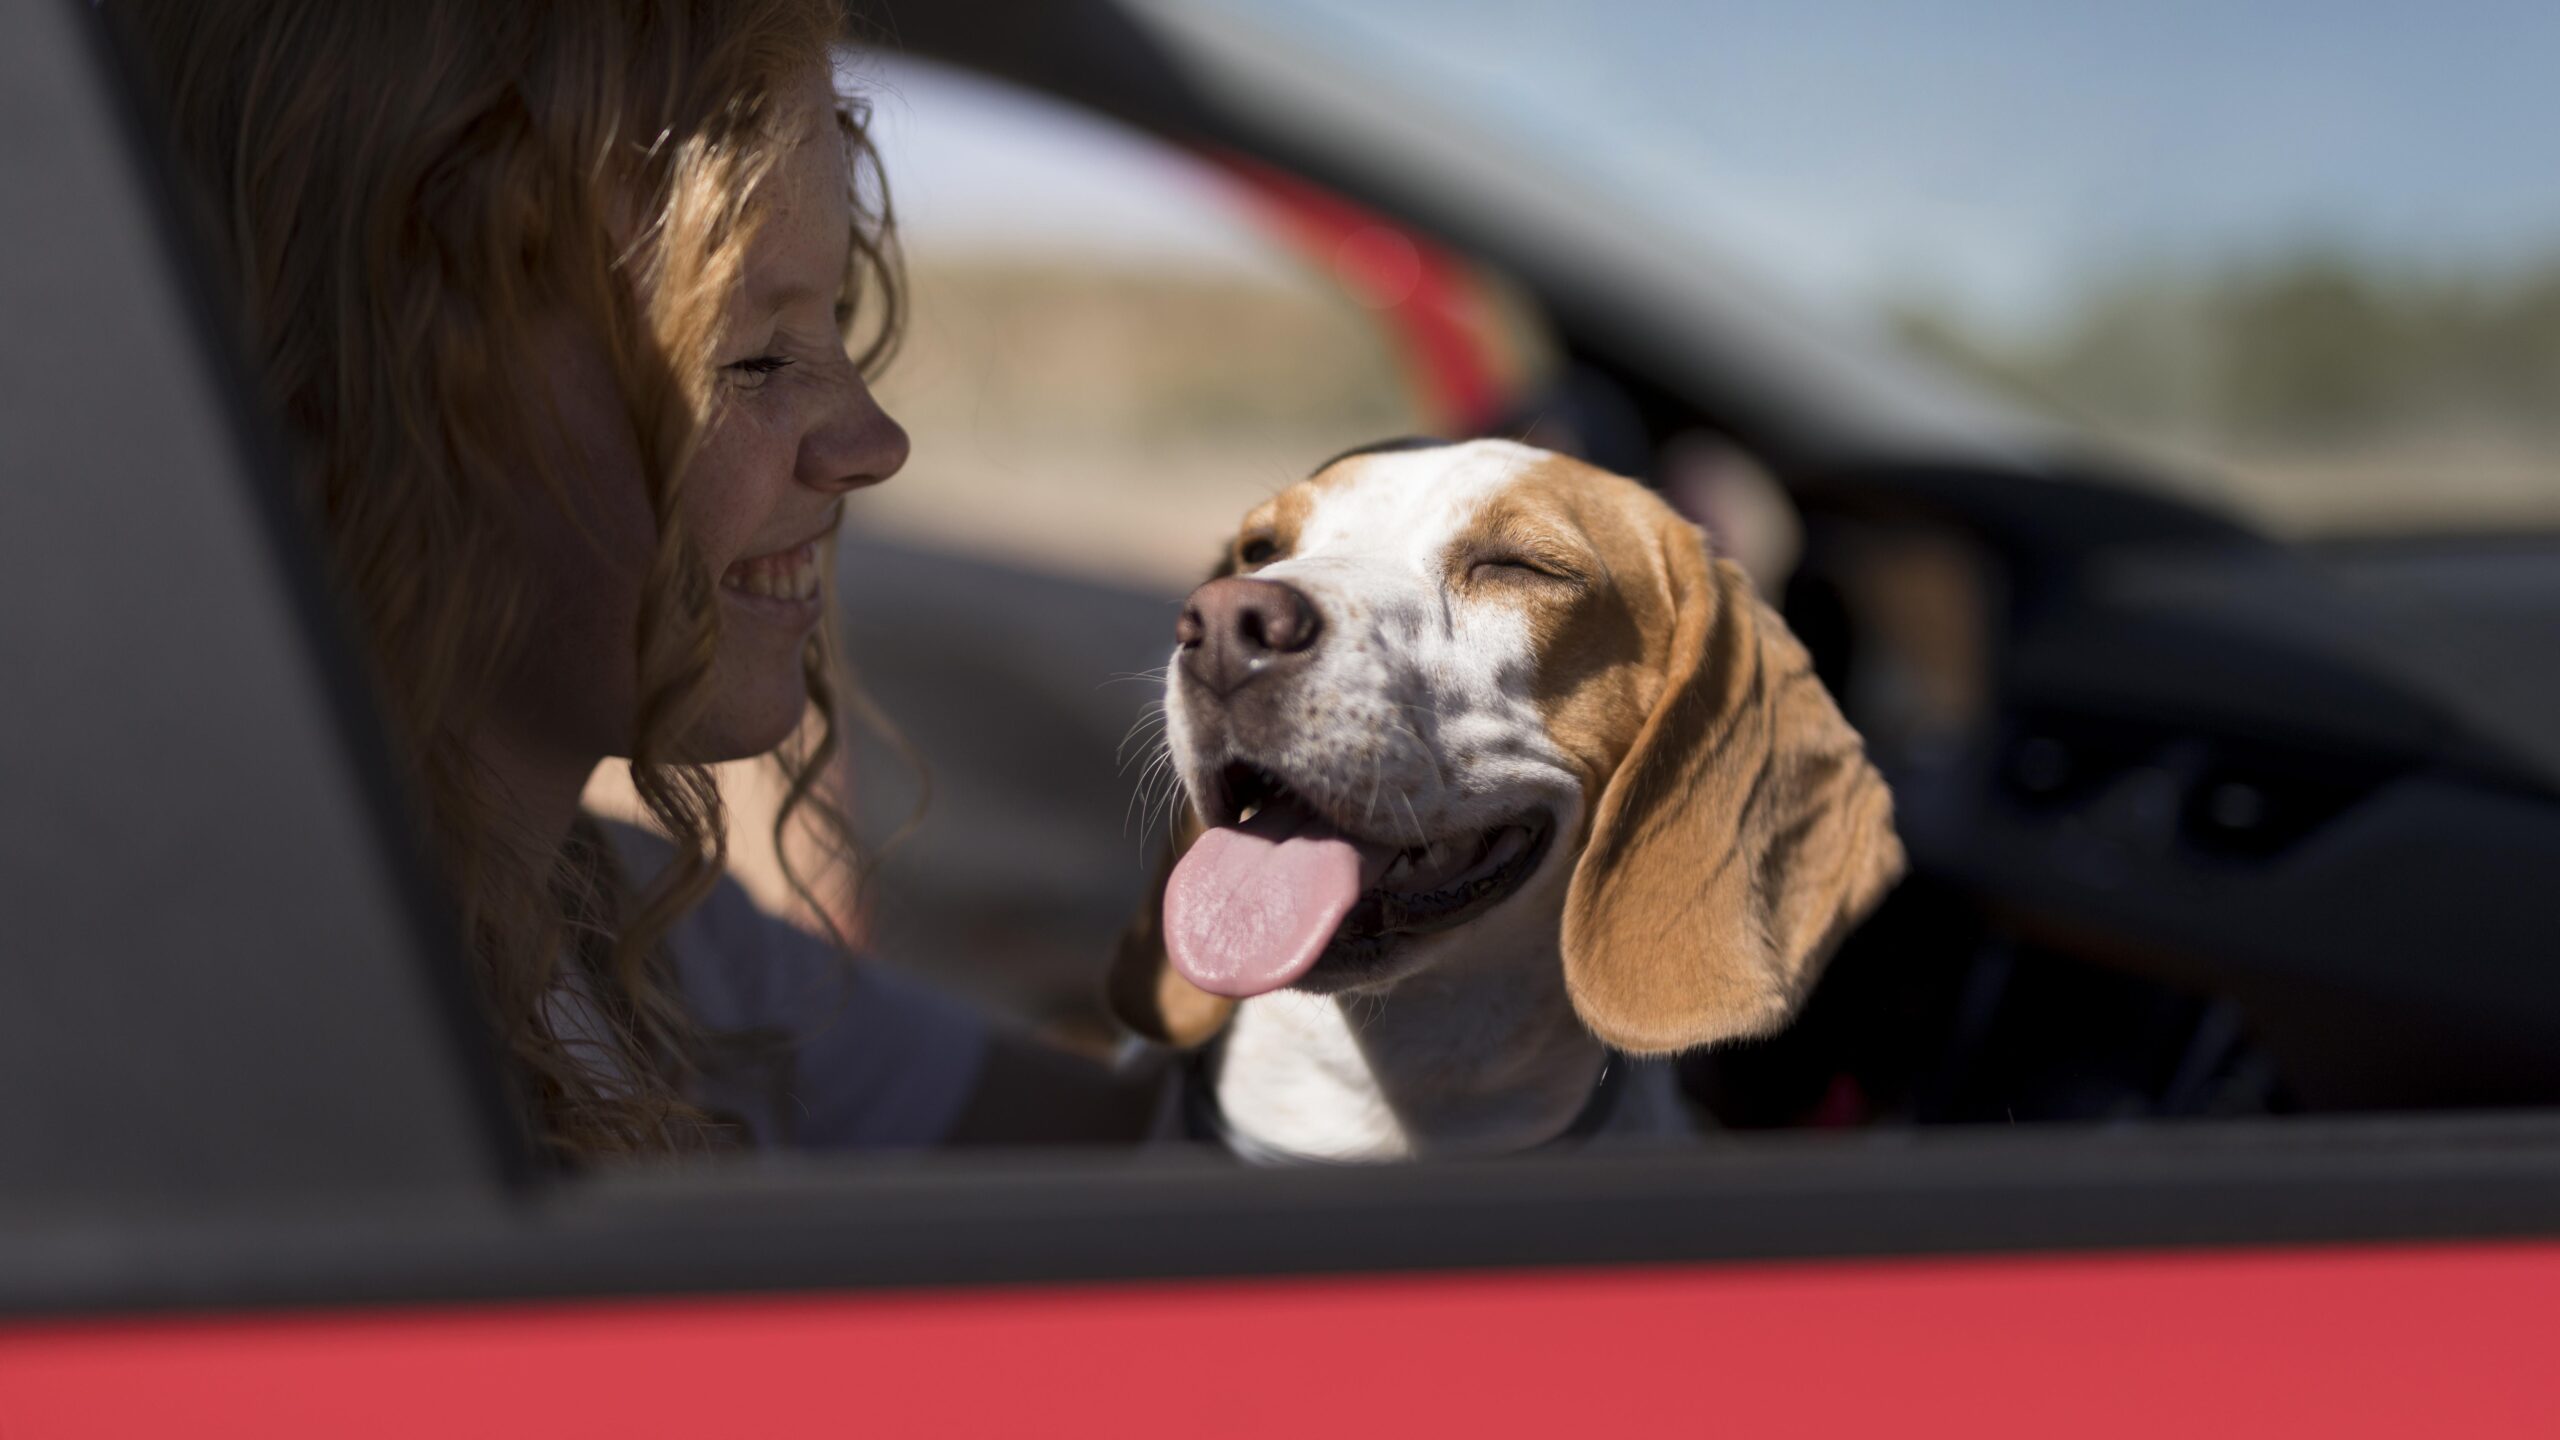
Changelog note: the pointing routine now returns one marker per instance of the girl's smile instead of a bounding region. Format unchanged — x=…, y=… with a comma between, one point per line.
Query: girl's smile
x=783, y=586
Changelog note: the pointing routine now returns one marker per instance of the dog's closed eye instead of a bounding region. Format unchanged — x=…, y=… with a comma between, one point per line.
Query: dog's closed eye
x=1520, y=568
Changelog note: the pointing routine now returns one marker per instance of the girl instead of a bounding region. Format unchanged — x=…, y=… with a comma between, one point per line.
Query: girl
x=568, y=309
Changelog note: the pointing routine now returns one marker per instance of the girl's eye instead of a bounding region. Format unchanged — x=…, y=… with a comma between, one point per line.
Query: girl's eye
x=753, y=371
x=1256, y=550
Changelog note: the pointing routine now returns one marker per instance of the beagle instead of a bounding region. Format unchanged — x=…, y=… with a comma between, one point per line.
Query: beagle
x=1493, y=771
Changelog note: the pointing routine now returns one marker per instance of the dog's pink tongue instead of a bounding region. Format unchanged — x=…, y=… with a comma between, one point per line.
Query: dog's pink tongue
x=1251, y=906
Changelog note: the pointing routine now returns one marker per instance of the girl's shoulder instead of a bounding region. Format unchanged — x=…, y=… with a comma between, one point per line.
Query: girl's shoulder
x=871, y=1057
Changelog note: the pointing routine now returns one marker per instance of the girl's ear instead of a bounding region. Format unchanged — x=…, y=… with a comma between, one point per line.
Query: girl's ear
x=1740, y=839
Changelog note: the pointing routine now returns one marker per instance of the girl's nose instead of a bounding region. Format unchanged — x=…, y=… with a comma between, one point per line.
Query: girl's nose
x=855, y=444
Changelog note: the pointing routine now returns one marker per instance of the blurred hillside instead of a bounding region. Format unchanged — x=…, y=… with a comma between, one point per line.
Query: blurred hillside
x=2319, y=390
x=1118, y=422
x=1115, y=422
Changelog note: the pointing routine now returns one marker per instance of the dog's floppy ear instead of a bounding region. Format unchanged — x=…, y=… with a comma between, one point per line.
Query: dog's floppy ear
x=1738, y=841
x=1143, y=990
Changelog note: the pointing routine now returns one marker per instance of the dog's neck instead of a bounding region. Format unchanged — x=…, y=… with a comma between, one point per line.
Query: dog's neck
x=1479, y=1054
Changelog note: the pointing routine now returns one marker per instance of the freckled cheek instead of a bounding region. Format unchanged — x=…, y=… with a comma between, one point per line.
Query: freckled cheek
x=738, y=478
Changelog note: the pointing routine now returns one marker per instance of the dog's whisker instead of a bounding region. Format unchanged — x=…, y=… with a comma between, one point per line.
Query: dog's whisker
x=1433, y=711
x=1158, y=766
x=1364, y=1009
x=1421, y=744
x=1142, y=800
x=1411, y=708
x=1155, y=804
x=1123, y=759
x=1419, y=839
x=1135, y=809
x=1154, y=716
x=1135, y=739
x=1173, y=802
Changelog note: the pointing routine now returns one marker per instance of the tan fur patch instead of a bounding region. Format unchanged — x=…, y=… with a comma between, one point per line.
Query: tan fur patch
x=1282, y=519
x=1602, y=641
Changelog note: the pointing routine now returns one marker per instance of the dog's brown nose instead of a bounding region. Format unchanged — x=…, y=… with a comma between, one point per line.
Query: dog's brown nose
x=1234, y=629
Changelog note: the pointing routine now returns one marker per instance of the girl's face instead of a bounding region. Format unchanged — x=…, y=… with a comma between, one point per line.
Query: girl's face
x=794, y=429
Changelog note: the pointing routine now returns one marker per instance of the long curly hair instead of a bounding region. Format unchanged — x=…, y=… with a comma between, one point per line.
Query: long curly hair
x=394, y=191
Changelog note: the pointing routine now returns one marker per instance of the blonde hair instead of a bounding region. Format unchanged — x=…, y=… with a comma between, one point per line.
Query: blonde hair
x=396, y=192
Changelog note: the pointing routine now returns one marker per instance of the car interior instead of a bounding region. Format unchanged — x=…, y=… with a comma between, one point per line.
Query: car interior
x=2228, y=915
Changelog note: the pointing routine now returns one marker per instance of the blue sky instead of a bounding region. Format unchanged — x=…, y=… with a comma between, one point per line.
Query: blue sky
x=2002, y=148
x=1992, y=152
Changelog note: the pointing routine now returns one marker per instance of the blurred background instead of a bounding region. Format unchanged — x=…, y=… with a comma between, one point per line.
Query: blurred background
x=2151, y=418
x=2298, y=254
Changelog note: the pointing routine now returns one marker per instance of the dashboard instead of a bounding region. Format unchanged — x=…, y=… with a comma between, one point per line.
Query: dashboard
x=2200, y=823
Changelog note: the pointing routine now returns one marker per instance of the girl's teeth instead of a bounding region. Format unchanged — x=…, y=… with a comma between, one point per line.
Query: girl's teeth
x=793, y=575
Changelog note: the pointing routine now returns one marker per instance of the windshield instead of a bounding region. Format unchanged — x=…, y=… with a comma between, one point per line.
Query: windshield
x=2307, y=254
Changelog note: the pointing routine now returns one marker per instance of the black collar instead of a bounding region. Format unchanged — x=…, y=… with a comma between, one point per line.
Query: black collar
x=1204, y=1121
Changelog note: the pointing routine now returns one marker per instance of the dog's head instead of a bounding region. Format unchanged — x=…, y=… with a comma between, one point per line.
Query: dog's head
x=1440, y=689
